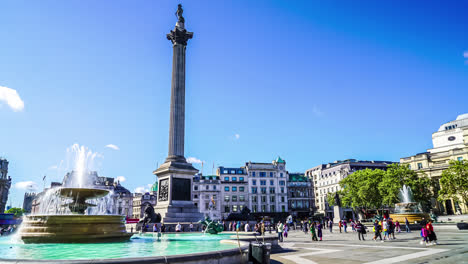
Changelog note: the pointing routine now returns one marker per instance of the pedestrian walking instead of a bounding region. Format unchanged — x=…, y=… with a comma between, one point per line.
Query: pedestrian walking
x=392, y=228
x=407, y=225
x=377, y=230
x=353, y=226
x=345, y=225
x=312, y=232
x=330, y=225
x=431, y=234
x=247, y=227
x=397, y=226
x=361, y=230
x=285, y=232
x=279, y=230
x=319, y=231
x=385, y=229
x=340, y=224
x=423, y=224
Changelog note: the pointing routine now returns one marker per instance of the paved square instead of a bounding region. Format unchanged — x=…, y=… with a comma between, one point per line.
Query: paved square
x=347, y=248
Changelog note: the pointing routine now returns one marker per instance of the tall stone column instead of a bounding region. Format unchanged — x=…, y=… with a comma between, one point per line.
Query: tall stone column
x=175, y=175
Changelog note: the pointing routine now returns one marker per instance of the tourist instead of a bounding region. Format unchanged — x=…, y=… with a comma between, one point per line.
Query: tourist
x=224, y=226
x=312, y=232
x=377, y=230
x=407, y=225
x=353, y=226
x=238, y=226
x=155, y=228
x=330, y=225
x=163, y=228
x=431, y=234
x=319, y=231
x=340, y=224
x=392, y=228
x=285, y=233
x=345, y=225
x=131, y=230
x=191, y=227
x=424, y=235
x=397, y=226
x=178, y=227
x=361, y=230
x=246, y=227
x=423, y=224
x=385, y=229
x=305, y=227
x=279, y=230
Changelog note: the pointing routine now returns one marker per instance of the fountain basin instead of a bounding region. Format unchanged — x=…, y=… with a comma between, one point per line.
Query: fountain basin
x=73, y=229
x=412, y=217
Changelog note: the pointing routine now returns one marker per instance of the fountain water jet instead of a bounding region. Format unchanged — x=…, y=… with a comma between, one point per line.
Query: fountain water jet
x=407, y=208
x=75, y=221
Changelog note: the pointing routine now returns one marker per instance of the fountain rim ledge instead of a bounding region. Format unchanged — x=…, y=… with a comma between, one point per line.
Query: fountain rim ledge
x=201, y=257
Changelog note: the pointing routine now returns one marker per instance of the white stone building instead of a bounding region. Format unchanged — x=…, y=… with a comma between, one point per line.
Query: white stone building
x=206, y=195
x=234, y=190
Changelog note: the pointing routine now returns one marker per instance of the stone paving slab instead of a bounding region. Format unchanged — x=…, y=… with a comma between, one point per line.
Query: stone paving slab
x=346, y=248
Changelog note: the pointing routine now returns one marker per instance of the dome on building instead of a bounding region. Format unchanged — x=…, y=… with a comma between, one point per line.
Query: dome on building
x=464, y=116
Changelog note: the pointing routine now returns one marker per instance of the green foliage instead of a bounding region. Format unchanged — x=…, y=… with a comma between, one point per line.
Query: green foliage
x=331, y=199
x=360, y=189
x=454, y=182
x=17, y=211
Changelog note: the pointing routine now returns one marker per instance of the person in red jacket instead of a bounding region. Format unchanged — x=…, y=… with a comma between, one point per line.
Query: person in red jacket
x=431, y=234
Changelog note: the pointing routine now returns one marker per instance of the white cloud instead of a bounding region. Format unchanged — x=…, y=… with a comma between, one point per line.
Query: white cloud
x=26, y=185
x=121, y=178
x=465, y=54
x=12, y=98
x=236, y=136
x=112, y=146
x=141, y=189
x=316, y=111
x=193, y=160
x=53, y=167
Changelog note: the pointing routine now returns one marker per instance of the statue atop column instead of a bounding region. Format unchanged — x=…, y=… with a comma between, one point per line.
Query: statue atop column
x=179, y=13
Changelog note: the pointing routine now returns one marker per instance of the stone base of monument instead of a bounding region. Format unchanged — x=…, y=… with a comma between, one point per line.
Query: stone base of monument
x=179, y=213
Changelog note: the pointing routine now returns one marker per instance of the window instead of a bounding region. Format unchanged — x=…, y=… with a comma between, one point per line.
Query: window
x=195, y=187
x=241, y=207
x=226, y=171
x=214, y=196
x=262, y=174
x=234, y=188
x=214, y=187
x=240, y=172
x=409, y=166
x=207, y=187
x=254, y=199
x=272, y=182
x=241, y=198
x=254, y=189
x=282, y=199
x=263, y=208
x=195, y=196
x=272, y=199
x=226, y=189
x=254, y=208
x=241, y=178
x=241, y=188
x=281, y=183
x=460, y=158
x=283, y=208
x=272, y=189
x=233, y=172
x=234, y=208
x=262, y=182
x=263, y=190
x=253, y=174
x=196, y=204
x=234, y=178
x=281, y=175
x=234, y=198
x=282, y=189
x=226, y=209
x=226, y=198
x=271, y=174
x=420, y=166
x=254, y=182
x=207, y=206
x=272, y=208
x=226, y=178
x=263, y=199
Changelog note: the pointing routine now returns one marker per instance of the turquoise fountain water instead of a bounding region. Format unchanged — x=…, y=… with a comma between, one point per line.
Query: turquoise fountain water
x=144, y=245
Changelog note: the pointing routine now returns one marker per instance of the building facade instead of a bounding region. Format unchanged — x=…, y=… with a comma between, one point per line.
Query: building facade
x=450, y=142
x=327, y=177
x=28, y=201
x=206, y=195
x=267, y=185
x=301, y=200
x=234, y=190
x=5, y=184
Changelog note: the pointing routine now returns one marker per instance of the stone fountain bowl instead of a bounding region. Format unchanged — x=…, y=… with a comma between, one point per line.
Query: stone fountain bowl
x=409, y=211
x=82, y=193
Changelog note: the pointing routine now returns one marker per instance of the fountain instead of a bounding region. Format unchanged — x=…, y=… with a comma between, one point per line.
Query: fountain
x=407, y=208
x=73, y=222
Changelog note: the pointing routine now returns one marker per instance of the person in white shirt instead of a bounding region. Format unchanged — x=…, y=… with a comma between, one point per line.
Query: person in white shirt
x=178, y=227
x=247, y=227
x=191, y=227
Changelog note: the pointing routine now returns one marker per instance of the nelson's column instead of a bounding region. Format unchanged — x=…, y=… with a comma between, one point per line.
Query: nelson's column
x=175, y=174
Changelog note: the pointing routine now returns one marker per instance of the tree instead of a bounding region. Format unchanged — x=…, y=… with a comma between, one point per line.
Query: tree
x=360, y=189
x=398, y=175
x=18, y=212
x=454, y=182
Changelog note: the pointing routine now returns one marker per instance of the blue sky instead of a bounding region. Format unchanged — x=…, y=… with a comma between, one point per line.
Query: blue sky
x=311, y=81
